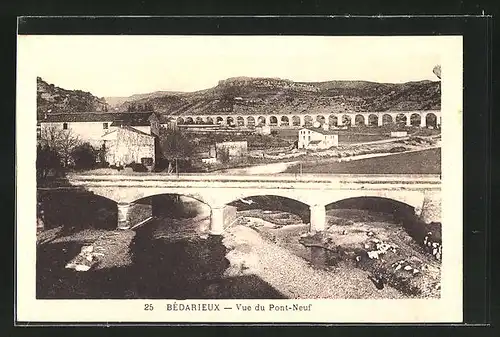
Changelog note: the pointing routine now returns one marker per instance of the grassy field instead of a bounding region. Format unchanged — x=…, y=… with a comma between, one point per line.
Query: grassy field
x=421, y=162
x=362, y=133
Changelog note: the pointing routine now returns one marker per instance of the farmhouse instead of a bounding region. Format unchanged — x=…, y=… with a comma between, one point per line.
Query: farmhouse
x=91, y=126
x=317, y=138
x=125, y=145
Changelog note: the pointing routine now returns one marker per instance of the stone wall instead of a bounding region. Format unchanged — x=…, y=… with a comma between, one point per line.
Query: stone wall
x=235, y=149
x=431, y=208
x=230, y=215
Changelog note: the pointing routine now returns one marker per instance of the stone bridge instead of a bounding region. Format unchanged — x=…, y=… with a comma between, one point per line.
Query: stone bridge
x=217, y=191
x=408, y=118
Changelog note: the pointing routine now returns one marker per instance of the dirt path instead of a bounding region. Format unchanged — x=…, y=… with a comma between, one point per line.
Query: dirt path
x=293, y=276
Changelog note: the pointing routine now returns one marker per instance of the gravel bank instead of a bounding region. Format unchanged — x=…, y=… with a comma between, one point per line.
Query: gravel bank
x=250, y=254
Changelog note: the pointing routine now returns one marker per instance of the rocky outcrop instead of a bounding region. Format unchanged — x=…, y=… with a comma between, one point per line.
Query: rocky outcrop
x=53, y=99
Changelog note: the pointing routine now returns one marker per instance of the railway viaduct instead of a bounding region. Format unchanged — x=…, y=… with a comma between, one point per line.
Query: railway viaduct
x=408, y=118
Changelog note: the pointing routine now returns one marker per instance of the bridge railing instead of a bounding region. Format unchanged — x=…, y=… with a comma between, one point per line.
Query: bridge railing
x=428, y=178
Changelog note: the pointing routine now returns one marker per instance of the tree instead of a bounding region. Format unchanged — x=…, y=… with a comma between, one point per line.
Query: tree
x=175, y=145
x=47, y=161
x=62, y=141
x=84, y=156
x=437, y=71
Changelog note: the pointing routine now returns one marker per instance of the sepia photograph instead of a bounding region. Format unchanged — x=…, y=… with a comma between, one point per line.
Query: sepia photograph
x=239, y=167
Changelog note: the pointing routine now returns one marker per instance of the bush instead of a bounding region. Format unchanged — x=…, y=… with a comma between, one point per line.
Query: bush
x=84, y=156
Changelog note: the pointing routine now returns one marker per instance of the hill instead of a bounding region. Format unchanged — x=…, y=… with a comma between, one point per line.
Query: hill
x=53, y=99
x=248, y=95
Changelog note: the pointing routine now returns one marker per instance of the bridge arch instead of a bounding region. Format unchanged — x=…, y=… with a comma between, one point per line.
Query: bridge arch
x=219, y=120
x=151, y=193
x=240, y=121
x=261, y=120
x=431, y=120
x=77, y=207
x=273, y=120
x=295, y=121
x=382, y=202
x=415, y=119
x=308, y=120
x=199, y=120
x=229, y=120
x=250, y=121
x=359, y=119
x=189, y=120
x=180, y=120
x=346, y=120
x=273, y=202
x=285, y=121
x=210, y=120
x=245, y=194
x=168, y=203
x=373, y=119
x=386, y=119
x=333, y=120
x=321, y=119
x=401, y=119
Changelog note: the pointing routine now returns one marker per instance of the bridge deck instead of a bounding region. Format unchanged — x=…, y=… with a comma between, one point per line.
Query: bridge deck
x=313, y=178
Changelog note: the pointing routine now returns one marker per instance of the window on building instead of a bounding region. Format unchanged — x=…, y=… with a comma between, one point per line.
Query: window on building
x=309, y=138
x=105, y=126
x=65, y=126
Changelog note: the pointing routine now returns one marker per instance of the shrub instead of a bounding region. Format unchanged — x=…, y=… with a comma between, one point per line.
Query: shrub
x=397, y=149
x=138, y=167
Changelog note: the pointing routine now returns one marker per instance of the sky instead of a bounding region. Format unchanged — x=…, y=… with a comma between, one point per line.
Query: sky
x=124, y=65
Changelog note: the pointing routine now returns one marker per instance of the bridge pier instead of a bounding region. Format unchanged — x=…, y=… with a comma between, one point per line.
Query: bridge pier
x=123, y=222
x=217, y=220
x=422, y=122
x=318, y=218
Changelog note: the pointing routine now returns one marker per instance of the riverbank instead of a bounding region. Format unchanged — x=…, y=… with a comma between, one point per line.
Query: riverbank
x=250, y=254
x=358, y=241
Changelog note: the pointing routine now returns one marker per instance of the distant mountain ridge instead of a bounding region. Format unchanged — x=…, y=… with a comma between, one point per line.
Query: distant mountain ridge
x=53, y=99
x=251, y=95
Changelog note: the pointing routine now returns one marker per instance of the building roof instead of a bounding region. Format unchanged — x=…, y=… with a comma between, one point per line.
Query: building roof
x=322, y=131
x=128, y=128
x=132, y=118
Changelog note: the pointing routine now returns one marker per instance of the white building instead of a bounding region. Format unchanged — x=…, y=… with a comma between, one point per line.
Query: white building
x=125, y=145
x=317, y=138
x=91, y=126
